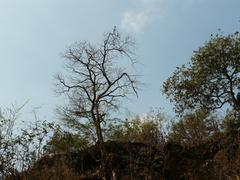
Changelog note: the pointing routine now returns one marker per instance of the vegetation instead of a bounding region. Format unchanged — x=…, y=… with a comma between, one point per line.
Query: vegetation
x=194, y=128
x=62, y=141
x=148, y=129
x=199, y=144
x=211, y=79
x=20, y=149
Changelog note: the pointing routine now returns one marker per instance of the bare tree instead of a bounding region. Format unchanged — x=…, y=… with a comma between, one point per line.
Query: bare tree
x=95, y=80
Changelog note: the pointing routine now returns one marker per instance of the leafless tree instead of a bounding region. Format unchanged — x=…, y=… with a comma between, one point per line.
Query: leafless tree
x=95, y=79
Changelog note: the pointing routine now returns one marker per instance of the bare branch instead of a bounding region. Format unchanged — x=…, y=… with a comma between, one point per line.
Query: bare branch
x=94, y=83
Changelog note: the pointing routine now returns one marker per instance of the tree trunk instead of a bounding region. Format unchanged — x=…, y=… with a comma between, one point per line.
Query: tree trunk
x=103, y=171
x=99, y=132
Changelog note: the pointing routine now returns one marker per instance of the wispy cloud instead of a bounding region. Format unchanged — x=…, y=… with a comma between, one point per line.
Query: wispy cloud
x=135, y=21
x=148, y=11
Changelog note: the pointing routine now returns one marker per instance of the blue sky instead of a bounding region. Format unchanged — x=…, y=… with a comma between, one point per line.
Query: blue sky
x=33, y=33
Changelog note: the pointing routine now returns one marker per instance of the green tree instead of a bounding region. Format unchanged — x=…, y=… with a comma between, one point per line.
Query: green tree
x=63, y=141
x=95, y=80
x=211, y=79
x=194, y=128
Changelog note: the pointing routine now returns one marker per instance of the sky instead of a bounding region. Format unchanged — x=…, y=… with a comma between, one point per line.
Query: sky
x=34, y=33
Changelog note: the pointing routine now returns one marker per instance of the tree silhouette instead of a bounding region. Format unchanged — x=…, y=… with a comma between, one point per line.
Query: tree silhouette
x=95, y=81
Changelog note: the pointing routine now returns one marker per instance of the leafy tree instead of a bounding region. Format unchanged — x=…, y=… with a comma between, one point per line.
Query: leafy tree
x=194, y=128
x=211, y=79
x=94, y=81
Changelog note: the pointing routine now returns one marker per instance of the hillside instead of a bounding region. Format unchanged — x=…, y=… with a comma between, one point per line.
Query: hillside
x=215, y=159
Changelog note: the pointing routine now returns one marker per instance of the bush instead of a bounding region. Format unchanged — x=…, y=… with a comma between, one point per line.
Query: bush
x=148, y=129
x=194, y=128
x=62, y=141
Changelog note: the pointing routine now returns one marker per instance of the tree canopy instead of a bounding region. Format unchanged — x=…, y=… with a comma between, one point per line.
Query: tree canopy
x=211, y=79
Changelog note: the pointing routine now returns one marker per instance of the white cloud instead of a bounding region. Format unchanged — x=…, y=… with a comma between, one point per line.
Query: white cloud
x=135, y=21
x=147, y=12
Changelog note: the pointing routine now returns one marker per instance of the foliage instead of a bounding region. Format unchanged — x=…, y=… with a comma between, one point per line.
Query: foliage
x=211, y=79
x=194, y=128
x=94, y=80
x=148, y=129
x=62, y=141
x=231, y=123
